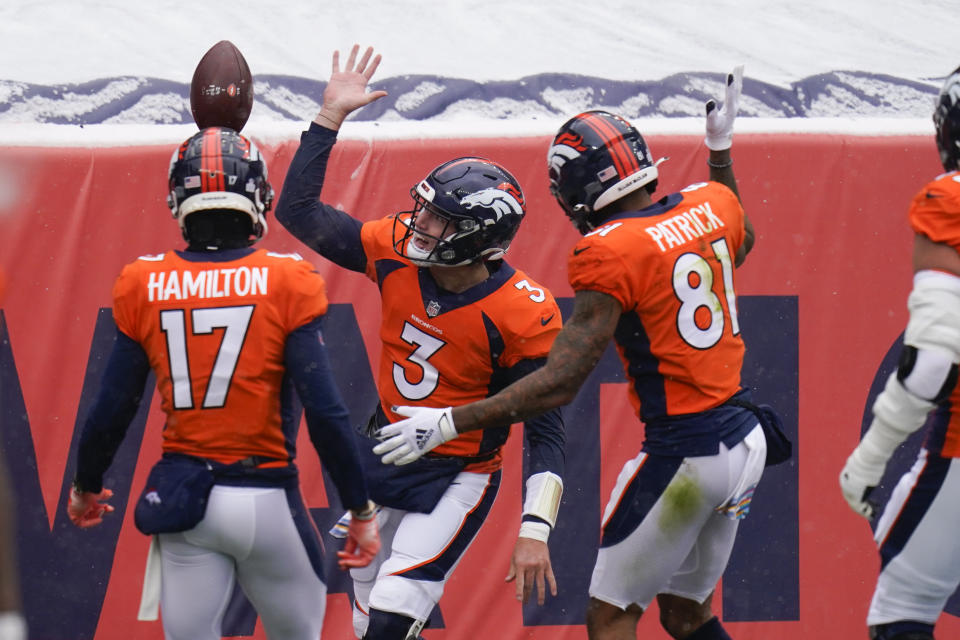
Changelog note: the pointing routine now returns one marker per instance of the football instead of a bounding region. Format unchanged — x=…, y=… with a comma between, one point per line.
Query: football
x=221, y=91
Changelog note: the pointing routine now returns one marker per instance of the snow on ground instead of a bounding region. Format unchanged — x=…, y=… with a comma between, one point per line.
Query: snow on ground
x=73, y=72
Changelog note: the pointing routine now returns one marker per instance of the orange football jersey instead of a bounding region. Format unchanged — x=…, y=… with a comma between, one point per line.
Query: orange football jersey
x=214, y=333
x=671, y=267
x=442, y=349
x=935, y=210
x=935, y=213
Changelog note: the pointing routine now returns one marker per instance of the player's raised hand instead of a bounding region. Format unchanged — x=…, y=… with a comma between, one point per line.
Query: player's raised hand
x=346, y=90
x=424, y=429
x=87, y=509
x=720, y=119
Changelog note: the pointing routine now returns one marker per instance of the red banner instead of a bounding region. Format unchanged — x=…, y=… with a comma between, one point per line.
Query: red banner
x=824, y=302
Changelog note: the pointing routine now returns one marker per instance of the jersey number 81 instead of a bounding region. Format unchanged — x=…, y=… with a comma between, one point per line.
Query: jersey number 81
x=693, y=286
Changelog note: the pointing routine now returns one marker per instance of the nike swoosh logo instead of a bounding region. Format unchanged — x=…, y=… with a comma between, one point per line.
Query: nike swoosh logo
x=578, y=250
x=934, y=195
x=545, y=321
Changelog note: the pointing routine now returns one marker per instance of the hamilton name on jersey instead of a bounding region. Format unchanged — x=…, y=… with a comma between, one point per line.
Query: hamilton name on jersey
x=684, y=227
x=224, y=282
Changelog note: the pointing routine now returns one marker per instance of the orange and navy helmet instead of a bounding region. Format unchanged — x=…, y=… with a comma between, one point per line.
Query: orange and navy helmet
x=481, y=203
x=597, y=157
x=217, y=169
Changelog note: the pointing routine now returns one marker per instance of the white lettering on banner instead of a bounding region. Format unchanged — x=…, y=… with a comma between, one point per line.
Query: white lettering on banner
x=209, y=283
x=680, y=229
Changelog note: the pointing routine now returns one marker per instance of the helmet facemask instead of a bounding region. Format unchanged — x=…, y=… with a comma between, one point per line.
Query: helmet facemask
x=572, y=203
x=424, y=248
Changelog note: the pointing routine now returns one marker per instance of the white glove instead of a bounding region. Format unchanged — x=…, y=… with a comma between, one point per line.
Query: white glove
x=720, y=120
x=857, y=480
x=424, y=429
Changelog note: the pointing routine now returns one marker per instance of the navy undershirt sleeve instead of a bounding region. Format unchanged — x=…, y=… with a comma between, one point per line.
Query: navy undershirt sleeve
x=544, y=434
x=117, y=401
x=332, y=233
x=328, y=421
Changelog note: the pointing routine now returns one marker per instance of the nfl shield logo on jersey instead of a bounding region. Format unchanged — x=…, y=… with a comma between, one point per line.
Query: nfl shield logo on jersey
x=433, y=309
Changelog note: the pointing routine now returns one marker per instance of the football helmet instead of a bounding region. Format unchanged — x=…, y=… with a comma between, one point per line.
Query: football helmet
x=595, y=158
x=480, y=206
x=219, y=169
x=946, y=118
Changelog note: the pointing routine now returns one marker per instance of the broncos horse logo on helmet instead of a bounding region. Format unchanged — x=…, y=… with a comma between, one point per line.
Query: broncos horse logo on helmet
x=219, y=170
x=482, y=204
x=566, y=146
x=501, y=200
x=595, y=158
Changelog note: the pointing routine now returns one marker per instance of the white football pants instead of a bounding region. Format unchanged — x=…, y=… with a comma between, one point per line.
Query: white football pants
x=247, y=535
x=918, y=532
x=419, y=551
x=677, y=539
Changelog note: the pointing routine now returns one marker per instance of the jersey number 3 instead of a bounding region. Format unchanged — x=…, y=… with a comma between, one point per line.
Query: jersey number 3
x=700, y=319
x=234, y=321
x=426, y=345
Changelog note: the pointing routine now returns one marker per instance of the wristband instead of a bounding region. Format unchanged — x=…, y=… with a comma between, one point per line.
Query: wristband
x=330, y=124
x=714, y=165
x=544, y=491
x=369, y=512
x=535, y=530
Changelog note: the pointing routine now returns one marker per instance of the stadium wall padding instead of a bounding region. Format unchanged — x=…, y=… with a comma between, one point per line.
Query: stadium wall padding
x=822, y=300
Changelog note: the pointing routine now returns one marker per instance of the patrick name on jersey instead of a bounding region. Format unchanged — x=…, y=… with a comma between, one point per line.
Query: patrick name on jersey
x=207, y=283
x=677, y=230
